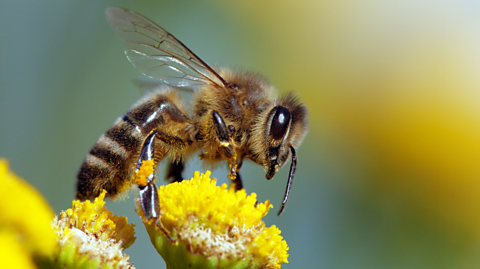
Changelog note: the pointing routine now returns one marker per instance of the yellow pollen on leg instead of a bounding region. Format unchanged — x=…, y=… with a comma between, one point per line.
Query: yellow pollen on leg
x=146, y=170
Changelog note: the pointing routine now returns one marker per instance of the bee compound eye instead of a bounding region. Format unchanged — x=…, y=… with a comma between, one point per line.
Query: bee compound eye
x=280, y=123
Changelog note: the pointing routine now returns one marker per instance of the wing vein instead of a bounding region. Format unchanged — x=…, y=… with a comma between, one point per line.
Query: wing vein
x=158, y=54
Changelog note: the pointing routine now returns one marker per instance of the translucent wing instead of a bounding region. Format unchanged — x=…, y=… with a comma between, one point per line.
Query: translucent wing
x=148, y=85
x=157, y=53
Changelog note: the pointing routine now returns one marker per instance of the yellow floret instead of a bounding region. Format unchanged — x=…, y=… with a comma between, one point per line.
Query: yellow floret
x=94, y=218
x=217, y=208
x=91, y=236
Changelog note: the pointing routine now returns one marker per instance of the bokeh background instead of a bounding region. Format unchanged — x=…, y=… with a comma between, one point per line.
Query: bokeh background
x=389, y=174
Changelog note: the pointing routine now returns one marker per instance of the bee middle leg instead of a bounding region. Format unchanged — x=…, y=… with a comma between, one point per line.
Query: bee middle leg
x=237, y=181
x=174, y=172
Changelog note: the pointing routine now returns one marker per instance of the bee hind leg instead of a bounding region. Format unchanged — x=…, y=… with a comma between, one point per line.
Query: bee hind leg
x=148, y=191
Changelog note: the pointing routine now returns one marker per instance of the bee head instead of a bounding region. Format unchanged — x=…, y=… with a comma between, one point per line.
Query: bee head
x=284, y=127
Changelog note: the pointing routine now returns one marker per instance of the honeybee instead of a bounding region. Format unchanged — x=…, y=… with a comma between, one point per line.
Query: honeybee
x=234, y=115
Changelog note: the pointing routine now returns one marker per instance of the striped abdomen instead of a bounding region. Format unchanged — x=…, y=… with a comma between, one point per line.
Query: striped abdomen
x=111, y=162
x=108, y=164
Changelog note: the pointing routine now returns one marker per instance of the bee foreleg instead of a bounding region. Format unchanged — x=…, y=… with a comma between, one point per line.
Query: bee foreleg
x=235, y=170
x=220, y=127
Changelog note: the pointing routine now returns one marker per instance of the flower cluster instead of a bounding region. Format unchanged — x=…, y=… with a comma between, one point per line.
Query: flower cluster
x=214, y=227
x=90, y=236
x=201, y=225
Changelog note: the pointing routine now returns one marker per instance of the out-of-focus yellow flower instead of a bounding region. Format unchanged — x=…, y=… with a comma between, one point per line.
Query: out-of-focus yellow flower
x=417, y=126
x=90, y=236
x=24, y=222
x=12, y=252
x=214, y=227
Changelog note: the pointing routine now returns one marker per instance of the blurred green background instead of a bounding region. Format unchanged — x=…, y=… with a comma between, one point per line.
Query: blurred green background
x=389, y=174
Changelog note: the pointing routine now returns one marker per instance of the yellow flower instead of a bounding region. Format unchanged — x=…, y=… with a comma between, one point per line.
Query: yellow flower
x=202, y=226
x=214, y=227
x=25, y=217
x=85, y=236
x=90, y=236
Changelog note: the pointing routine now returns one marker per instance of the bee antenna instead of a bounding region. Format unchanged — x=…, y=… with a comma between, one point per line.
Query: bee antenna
x=291, y=174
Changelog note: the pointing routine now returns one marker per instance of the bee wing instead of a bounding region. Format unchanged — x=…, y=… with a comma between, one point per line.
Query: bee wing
x=148, y=85
x=158, y=54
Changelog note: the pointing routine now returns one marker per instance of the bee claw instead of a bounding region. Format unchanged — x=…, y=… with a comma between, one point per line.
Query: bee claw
x=165, y=231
